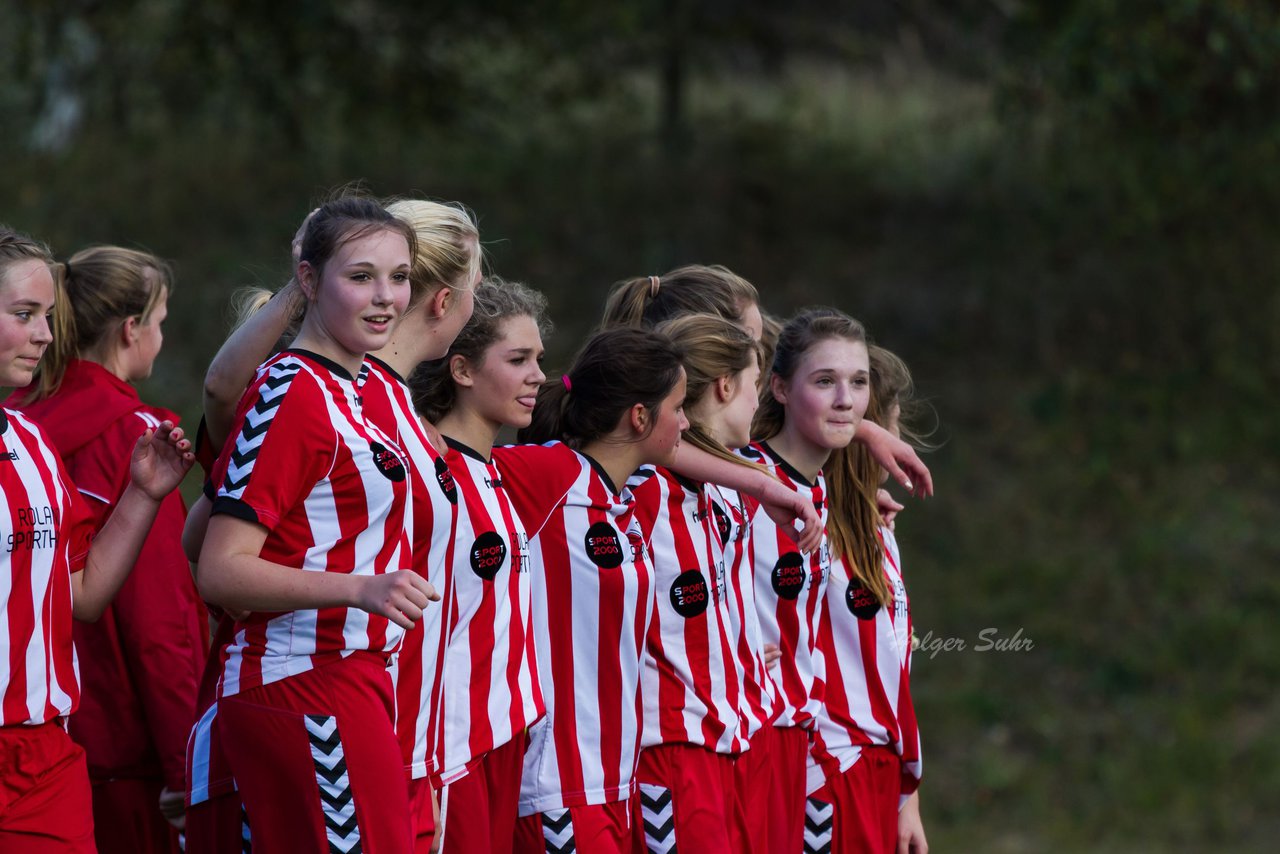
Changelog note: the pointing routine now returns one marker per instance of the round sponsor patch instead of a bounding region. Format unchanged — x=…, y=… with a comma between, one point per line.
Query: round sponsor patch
x=689, y=593
x=723, y=523
x=603, y=547
x=487, y=554
x=387, y=462
x=788, y=575
x=444, y=477
x=861, y=601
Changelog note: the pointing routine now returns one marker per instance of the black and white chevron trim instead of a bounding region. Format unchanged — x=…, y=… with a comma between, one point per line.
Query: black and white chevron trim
x=557, y=831
x=256, y=422
x=246, y=841
x=818, y=816
x=659, y=816
x=335, y=786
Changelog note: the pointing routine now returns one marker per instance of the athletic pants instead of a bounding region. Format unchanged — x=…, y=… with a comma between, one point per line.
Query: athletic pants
x=753, y=783
x=857, y=811
x=688, y=799
x=788, y=752
x=595, y=829
x=317, y=762
x=478, y=812
x=45, y=803
x=127, y=819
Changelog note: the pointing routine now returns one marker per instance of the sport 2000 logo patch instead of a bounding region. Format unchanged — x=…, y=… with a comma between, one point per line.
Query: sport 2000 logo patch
x=861, y=601
x=788, y=575
x=604, y=549
x=444, y=477
x=689, y=594
x=487, y=554
x=387, y=462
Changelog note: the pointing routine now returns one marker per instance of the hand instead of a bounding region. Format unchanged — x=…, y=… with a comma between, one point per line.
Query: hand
x=161, y=459
x=399, y=596
x=786, y=507
x=911, y=829
x=887, y=506
x=897, y=458
x=296, y=246
x=772, y=655
x=173, y=809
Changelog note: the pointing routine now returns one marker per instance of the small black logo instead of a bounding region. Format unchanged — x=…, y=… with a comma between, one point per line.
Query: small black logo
x=861, y=601
x=445, y=478
x=487, y=554
x=689, y=594
x=788, y=576
x=387, y=462
x=723, y=524
x=603, y=547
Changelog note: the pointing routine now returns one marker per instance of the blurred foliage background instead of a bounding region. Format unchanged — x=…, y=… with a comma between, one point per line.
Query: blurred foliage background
x=1061, y=213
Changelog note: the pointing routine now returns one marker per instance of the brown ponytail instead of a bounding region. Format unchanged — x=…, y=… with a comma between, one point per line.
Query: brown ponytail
x=646, y=301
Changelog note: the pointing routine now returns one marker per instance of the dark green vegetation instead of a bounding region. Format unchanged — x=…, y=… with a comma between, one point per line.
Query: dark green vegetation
x=1062, y=214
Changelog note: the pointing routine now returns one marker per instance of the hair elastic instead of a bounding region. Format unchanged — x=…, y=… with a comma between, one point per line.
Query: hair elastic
x=654, y=284
x=568, y=384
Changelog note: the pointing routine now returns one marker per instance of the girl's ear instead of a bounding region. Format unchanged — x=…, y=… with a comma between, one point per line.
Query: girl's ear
x=460, y=371
x=724, y=388
x=128, y=333
x=778, y=387
x=638, y=418
x=307, y=280
x=438, y=304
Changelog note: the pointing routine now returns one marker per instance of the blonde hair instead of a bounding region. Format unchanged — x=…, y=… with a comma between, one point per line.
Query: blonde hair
x=713, y=347
x=646, y=301
x=101, y=287
x=448, y=253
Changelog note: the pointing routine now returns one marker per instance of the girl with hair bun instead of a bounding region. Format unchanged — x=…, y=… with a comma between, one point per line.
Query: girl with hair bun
x=141, y=662
x=647, y=301
x=55, y=568
x=445, y=270
x=310, y=544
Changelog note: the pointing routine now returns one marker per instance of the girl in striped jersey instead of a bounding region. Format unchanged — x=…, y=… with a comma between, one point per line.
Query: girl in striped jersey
x=865, y=758
x=490, y=691
x=816, y=395
x=51, y=574
x=446, y=267
x=311, y=533
x=692, y=679
x=142, y=660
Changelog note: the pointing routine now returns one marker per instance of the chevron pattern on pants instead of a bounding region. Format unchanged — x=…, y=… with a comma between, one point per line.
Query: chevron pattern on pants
x=246, y=841
x=818, y=818
x=659, y=816
x=557, y=832
x=336, y=797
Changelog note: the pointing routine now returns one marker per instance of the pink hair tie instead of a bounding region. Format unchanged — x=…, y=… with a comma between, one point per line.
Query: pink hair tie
x=654, y=284
x=568, y=384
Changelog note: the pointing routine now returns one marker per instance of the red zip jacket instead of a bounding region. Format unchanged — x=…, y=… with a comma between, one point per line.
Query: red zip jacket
x=140, y=664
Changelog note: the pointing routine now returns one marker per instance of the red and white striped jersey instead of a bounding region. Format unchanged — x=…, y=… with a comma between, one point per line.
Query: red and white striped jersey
x=45, y=529
x=789, y=595
x=332, y=490
x=759, y=702
x=868, y=653
x=592, y=603
x=417, y=673
x=691, y=681
x=491, y=691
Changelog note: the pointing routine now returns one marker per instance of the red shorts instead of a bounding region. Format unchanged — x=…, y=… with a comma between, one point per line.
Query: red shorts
x=217, y=826
x=857, y=811
x=687, y=800
x=127, y=819
x=422, y=809
x=45, y=803
x=478, y=812
x=787, y=751
x=753, y=782
x=317, y=762
x=595, y=829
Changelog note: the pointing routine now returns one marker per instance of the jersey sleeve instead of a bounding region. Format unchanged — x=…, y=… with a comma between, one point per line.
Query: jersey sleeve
x=647, y=491
x=78, y=527
x=535, y=478
x=283, y=445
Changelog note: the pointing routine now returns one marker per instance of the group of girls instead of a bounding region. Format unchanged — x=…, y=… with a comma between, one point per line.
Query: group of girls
x=665, y=618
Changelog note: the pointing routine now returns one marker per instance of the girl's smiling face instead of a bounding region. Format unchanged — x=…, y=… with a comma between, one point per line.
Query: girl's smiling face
x=26, y=309
x=827, y=395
